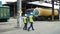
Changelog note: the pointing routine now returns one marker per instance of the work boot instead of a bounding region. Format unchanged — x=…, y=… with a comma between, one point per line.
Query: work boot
x=33, y=29
x=28, y=30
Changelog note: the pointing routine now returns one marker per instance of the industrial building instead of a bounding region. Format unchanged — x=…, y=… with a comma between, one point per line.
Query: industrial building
x=25, y=6
x=13, y=7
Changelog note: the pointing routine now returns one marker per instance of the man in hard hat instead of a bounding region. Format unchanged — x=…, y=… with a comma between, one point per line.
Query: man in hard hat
x=31, y=21
x=25, y=22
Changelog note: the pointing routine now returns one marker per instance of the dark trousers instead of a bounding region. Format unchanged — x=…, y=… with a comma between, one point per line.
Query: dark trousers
x=31, y=26
x=25, y=26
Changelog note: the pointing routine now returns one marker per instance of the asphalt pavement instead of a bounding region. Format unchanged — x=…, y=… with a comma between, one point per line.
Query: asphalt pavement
x=41, y=27
x=9, y=25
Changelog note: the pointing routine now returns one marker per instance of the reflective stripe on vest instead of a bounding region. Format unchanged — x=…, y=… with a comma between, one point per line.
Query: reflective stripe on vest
x=25, y=19
x=31, y=18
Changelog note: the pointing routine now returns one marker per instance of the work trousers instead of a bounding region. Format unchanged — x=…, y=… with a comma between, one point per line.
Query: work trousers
x=25, y=26
x=31, y=26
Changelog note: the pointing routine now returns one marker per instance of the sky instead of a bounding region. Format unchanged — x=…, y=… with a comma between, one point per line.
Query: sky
x=4, y=1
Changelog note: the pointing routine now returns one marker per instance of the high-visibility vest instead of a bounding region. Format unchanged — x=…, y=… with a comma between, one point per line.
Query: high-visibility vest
x=31, y=18
x=24, y=19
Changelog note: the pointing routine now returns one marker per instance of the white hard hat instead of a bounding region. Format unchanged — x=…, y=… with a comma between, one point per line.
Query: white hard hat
x=31, y=13
x=25, y=14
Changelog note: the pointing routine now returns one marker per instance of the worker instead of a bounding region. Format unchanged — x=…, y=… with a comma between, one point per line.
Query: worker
x=25, y=22
x=31, y=22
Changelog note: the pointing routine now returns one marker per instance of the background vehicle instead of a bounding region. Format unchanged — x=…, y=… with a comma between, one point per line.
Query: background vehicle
x=45, y=14
x=4, y=13
x=42, y=14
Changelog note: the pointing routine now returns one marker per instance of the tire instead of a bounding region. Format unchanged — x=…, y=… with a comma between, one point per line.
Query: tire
x=41, y=18
x=35, y=18
x=56, y=17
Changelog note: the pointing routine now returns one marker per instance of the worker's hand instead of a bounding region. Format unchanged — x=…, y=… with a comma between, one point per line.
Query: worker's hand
x=33, y=21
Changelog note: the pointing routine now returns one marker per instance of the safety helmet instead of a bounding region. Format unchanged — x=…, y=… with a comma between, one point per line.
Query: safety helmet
x=31, y=13
x=25, y=14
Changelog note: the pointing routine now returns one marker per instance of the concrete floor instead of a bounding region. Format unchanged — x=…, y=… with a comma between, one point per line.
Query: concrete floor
x=41, y=27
